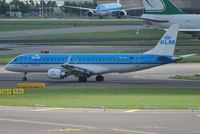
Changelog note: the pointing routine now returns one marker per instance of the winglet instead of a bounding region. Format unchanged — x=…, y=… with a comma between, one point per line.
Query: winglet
x=160, y=7
x=166, y=45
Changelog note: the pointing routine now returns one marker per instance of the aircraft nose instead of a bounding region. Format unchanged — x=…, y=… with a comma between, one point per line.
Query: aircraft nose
x=7, y=67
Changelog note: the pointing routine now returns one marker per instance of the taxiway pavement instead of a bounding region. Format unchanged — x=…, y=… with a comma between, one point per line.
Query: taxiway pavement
x=25, y=120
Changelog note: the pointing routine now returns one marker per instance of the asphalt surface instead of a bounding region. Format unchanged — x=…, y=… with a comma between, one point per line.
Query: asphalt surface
x=23, y=120
x=155, y=77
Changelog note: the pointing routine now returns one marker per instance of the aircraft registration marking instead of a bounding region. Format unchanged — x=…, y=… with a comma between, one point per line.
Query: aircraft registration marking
x=132, y=131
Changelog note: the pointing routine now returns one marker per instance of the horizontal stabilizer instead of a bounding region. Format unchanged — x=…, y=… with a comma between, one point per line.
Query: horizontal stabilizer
x=181, y=57
x=188, y=55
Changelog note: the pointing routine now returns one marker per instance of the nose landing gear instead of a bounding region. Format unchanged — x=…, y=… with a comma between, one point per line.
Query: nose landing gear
x=24, y=78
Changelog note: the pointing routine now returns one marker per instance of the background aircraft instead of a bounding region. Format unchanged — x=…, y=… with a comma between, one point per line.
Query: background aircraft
x=163, y=13
x=107, y=10
x=59, y=66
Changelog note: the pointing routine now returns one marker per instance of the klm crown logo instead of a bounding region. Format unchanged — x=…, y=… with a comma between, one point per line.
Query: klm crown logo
x=167, y=41
x=36, y=57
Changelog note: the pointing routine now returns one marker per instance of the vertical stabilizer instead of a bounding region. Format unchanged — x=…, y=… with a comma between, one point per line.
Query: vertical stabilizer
x=160, y=7
x=118, y=1
x=166, y=45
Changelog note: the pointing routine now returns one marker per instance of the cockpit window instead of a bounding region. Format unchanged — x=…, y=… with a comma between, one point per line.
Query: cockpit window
x=14, y=60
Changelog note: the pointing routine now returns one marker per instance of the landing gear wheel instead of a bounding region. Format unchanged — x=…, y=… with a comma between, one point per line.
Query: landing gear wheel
x=99, y=78
x=82, y=79
x=24, y=78
x=100, y=17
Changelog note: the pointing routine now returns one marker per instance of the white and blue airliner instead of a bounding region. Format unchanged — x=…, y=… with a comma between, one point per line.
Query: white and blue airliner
x=60, y=66
x=109, y=9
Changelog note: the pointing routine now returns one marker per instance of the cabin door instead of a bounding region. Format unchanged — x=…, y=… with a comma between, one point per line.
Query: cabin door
x=137, y=61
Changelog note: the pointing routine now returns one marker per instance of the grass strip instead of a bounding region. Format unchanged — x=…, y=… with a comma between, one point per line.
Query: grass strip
x=4, y=59
x=117, y=98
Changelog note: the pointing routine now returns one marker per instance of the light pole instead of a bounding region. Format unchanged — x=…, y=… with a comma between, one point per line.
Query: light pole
x=42, y=8
x=10, y=9
x=27, y=7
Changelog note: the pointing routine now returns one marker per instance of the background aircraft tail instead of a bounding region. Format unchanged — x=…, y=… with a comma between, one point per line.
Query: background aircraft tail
x=166, y=45
x=160, y=7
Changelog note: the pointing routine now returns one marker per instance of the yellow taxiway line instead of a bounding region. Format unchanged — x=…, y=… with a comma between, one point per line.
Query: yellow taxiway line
x=131, y=111
x=132, y=131
x=45, y=109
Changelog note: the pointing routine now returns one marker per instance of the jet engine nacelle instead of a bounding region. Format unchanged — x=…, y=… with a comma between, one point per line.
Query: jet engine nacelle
x=122, y=14
x=56, y=74
x=90, y=13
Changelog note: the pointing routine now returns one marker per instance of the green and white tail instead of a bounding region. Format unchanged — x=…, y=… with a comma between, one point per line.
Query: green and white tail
x=160, y=7
x=166, y=45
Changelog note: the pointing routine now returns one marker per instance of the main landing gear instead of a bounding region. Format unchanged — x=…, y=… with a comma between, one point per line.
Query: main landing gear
x=99, y=78
x=84, y=79
x=24, y=78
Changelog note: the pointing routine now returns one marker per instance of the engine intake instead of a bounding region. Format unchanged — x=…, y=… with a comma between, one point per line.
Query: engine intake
x=122, y=14
x=90, y=13
x=56, y=74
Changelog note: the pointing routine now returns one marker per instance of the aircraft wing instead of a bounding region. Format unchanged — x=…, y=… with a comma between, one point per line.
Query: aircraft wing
x=189, y=30
x=83, y=8
x=194, y=32
x=128, y=9
x=154, y=20
x=87, y=69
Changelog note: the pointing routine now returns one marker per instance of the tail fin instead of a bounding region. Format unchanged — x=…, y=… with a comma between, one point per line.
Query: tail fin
x=118, y=1
x=160, y=7
x=166, y=45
